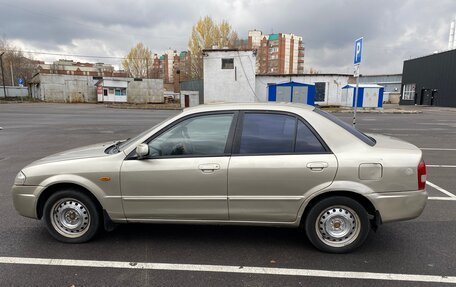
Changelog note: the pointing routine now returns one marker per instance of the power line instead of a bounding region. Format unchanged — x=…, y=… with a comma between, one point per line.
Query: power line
x=94, y=56
x=69, y=55
x=245, y=75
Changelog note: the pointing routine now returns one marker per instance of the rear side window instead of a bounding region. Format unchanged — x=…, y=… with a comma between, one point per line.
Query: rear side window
x=349, y=128
x=306, y=141
x=269, y=133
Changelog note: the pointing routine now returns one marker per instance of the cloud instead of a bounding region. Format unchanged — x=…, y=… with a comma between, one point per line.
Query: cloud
x=393, y=30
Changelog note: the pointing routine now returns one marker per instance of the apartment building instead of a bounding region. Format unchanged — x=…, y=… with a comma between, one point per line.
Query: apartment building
x=278, y=53
x=171, y=66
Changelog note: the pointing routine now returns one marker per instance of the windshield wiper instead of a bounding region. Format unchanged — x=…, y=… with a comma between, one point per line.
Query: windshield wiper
x=117, y=145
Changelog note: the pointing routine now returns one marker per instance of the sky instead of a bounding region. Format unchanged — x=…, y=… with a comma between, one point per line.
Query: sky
x=393, y=31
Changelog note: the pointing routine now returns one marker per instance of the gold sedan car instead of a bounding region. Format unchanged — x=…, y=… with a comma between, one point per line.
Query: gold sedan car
x=256, y=164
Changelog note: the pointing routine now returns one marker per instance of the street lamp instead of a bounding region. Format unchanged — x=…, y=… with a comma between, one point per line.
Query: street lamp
x=3, y=74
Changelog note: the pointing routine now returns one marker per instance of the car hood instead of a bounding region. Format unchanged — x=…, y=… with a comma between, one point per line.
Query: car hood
x=90, y=151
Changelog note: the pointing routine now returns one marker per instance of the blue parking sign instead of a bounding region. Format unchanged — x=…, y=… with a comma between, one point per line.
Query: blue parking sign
x=358, y=50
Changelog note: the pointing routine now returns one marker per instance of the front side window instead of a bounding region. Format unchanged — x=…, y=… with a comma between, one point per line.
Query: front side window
x=201, y=135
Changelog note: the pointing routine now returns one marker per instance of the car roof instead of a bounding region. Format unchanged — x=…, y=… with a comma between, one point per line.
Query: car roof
x=274, y=106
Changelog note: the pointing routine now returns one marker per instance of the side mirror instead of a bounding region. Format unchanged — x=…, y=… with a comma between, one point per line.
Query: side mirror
x=142, y=150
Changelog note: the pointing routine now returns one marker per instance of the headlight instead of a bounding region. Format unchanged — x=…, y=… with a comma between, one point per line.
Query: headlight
x=20, y=179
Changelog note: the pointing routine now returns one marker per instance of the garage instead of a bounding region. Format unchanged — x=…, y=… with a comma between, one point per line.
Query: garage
x=370, y=96
x=292, y=92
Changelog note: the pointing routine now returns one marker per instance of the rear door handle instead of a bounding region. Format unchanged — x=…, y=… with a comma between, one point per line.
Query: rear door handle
x=317, y=166
x=209, y=167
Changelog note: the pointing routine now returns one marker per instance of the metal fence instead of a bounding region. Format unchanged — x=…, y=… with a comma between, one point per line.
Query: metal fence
x=12, y=91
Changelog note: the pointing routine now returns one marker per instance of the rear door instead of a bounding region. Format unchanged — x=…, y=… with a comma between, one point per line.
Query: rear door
x=277, y=160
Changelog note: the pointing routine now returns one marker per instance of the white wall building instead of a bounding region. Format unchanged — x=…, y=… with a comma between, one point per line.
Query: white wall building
x=229, y=75
x=112, y=90
x=77, y=89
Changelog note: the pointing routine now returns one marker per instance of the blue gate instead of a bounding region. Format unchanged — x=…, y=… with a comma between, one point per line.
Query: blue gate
x=292, y=92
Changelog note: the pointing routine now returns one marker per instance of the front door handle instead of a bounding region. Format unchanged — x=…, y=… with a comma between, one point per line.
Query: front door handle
x=317, y=166
x=209, y=167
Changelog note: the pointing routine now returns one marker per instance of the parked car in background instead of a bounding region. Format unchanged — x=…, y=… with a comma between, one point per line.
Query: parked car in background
x=258, y=164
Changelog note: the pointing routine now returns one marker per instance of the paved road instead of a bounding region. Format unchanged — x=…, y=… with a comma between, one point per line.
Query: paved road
x=425, y=246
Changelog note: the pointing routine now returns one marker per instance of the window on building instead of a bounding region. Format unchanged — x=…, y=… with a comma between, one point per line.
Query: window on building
x=408, y=92
x=105, y=92
x=121, y=92
x=320, y=90
x=228, y=63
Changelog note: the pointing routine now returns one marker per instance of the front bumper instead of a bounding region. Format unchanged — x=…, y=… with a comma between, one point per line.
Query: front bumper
x=397, y=206
x=25, y=199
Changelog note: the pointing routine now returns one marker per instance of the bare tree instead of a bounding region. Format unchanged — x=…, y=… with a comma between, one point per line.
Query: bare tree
x=15, y=64
x=138, y=61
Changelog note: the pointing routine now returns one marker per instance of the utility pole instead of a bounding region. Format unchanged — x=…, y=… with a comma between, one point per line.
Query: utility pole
x=12, y=75
x=147, y=67
x=3, y=74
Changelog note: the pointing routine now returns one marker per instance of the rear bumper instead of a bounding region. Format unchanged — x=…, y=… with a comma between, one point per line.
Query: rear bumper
x=25, y=200
x=397, y=206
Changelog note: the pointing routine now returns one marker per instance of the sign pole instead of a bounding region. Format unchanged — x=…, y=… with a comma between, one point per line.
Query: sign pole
x=357, y=62
x=356, y=95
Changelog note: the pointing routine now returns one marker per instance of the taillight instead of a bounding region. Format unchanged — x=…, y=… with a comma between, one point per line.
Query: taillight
x=421, y=175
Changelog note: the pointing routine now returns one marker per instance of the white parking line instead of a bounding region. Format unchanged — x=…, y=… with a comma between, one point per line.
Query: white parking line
x=434, y=148
x=441, y=165
x=444, y=198
x=440, y=189
x=230, y=269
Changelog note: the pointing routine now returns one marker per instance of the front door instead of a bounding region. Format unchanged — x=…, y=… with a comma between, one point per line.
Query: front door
x=185, y=175
x=187, y=101
x=277, y=160
x=426, y=97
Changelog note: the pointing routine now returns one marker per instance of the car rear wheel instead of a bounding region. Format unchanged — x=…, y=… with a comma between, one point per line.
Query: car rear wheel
x=71, y=216
x=337, y=224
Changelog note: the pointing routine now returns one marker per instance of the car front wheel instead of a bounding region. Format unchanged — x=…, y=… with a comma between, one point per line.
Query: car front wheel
x=71, y=216
x=337, y=224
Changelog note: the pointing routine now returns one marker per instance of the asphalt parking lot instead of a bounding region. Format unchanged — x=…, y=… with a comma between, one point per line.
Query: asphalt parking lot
x=412, y=253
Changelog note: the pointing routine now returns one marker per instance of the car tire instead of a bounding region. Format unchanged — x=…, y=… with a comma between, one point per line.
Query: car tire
x=71, y=216
x=337, y=224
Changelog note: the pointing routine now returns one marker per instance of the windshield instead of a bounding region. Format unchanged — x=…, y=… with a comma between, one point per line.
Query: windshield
x=349, y=128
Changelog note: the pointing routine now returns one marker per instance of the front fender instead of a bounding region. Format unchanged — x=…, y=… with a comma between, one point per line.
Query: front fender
x=106, y=193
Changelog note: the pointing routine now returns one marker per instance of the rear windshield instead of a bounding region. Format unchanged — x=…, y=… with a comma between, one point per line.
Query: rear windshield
x=349, y=128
